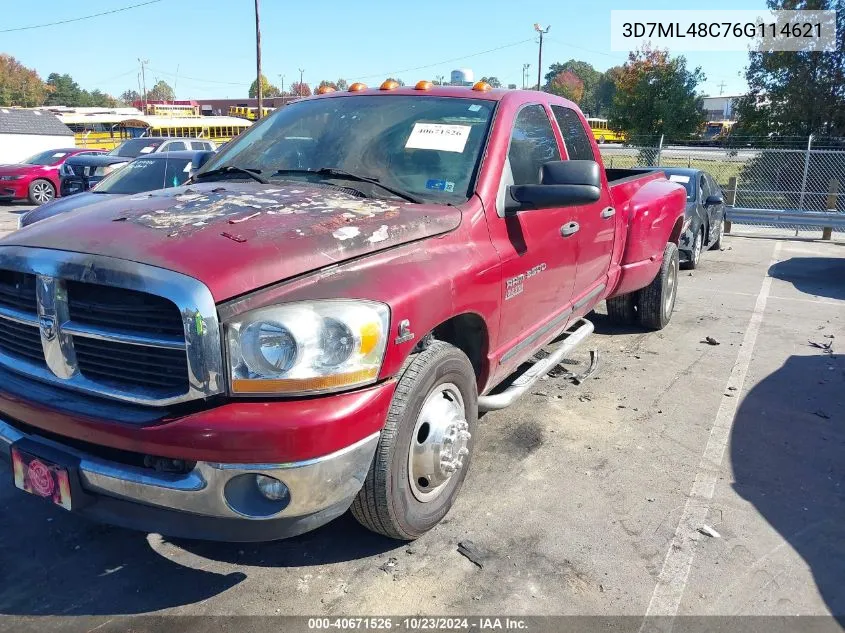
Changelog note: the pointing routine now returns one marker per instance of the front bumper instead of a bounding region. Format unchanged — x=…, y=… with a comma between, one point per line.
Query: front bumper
x=213, y=501
x=13, y=189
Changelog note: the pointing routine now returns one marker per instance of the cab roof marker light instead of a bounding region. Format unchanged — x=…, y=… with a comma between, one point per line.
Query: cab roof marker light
x=389, y=84
x=423, y=85
x=482, y=86
x=357, y=87
x=325, y=90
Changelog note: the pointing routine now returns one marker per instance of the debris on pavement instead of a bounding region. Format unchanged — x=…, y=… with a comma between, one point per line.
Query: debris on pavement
x=710, y=340
x=594, y=365
x=821, y=414
x=389, y=566
x=826, y=347
x=830, y=336
x=706, y=530
x=234, y=238
x=474, y=553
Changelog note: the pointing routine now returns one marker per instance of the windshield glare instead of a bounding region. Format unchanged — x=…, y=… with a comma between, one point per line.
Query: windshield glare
x=146, y=174
x=427, y=146
x=49, y=157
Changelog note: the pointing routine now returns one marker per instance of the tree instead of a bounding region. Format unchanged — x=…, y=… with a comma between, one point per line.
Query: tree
x=267, y=89
x=128, y=97
x=300, y=89
x=568, y=85
x=511, y=86
x=796, y=93
x=604, y=91
x=63, y=90
x=341, y=84
x=19, y=85
x=327, y=84
x=100, y=99
x=161, y=91
x=656, y=94
x=493, y=81
x=588, y=75
x=399, y=81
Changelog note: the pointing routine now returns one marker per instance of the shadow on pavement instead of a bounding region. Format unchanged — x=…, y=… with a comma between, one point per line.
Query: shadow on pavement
x=788, y=457
x=343, y=539
x=819, y=276
x=56, y=563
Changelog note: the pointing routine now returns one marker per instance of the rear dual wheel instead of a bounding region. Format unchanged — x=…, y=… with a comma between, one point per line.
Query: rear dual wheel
x=652, y=306
x=425, y=448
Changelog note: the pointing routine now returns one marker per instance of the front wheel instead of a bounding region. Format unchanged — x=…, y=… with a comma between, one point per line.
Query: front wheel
x=697, y=248
x=657, y=300
x=719, y=235
x=425, y=448
x=41, y=191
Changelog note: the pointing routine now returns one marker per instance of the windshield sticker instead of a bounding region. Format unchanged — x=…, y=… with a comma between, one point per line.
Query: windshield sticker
x=187, y=169
x=141, y=164
x=436, y=136
x=148, y=149
x=59, y=154
x=678, y=178
x=474, y=107
x=440, y=185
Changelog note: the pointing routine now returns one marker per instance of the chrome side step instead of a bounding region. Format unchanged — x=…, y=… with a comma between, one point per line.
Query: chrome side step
x=574, y=337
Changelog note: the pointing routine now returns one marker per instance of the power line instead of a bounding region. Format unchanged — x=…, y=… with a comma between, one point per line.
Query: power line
x=84, y=17
x=589, y=50
x=445, y=61
x=202, y=81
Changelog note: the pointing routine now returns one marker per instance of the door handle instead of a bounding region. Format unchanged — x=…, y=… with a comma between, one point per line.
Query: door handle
x=609, y=212
x=570, y=228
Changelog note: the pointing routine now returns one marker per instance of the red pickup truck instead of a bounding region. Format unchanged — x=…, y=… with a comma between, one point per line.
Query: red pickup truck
x=316, y=319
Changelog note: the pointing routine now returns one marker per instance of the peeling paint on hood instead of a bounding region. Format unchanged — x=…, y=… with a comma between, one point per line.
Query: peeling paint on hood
x=236, y=237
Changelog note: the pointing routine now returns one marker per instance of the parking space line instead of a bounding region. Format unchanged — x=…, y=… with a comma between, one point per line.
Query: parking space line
x=833, y=302
x=672, y=581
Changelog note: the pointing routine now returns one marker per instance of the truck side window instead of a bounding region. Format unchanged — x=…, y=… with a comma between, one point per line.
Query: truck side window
x=575, y=137
x=532, y=144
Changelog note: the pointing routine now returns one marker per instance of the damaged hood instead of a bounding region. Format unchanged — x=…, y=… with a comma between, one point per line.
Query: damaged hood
x=236, y=237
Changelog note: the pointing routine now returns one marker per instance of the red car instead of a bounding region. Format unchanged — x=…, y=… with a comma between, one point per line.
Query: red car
x=37, y=178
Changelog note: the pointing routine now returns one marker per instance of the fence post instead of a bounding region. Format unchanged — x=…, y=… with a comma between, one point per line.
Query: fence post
x=832, y=194
x=730, y=199
x=659, y=150
x=806, y=169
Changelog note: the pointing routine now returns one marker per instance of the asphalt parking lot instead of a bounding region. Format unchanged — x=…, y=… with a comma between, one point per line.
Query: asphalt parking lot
x=588, y=499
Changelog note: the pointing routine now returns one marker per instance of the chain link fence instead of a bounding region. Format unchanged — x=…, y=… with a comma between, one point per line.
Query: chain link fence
x=756, y=174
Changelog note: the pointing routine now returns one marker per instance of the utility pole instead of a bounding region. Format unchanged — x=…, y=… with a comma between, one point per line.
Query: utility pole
x=301, y=72
x=260, y=91
x=525, y=68
x=722, y=88
x=282, y=80
x=440, y=79
x=542, y=32
x=143, y=63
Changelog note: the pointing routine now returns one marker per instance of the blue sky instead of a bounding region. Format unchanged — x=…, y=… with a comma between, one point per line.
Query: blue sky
x=212, y=45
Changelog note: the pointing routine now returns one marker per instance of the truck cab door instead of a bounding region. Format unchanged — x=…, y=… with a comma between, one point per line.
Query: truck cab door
x=538, y=249
x=597, y=220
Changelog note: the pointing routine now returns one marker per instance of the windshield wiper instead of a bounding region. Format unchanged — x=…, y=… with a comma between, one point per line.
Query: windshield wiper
x=232, y=169
x=340, y=173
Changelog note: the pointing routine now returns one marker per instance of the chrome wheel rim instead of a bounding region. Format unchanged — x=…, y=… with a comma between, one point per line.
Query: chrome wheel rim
x=671, y=283
x=42, y=192
x=697, y=246
x=721, y=230
x=439, y=444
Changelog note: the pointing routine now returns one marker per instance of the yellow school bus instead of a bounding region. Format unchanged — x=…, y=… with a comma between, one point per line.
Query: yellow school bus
x=246, y=112
x=603, y=133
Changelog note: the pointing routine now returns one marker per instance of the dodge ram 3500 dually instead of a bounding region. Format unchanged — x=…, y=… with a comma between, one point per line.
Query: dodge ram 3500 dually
x=315, y=320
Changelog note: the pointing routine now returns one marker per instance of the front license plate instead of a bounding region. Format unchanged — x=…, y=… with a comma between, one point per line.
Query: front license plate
x=41, y=478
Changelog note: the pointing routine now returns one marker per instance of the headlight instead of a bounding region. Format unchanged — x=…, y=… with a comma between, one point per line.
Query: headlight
x=105, y=170
x=308, y=347
x=10, y=177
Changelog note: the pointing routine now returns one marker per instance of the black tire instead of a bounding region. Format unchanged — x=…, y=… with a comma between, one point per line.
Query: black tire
x=41, y=191
x=720, y=228
x=694, y=260
x=386, y=503
x=657, y=300
x=622, y=310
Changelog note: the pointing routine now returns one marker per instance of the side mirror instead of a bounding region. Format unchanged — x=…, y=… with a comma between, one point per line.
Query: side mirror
x=201, y=159
x=714, y=200
x=563, y=183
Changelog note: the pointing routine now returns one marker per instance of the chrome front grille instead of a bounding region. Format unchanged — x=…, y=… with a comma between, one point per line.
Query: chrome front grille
x=106, y=326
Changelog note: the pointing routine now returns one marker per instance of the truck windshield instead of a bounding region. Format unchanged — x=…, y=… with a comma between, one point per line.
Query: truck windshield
x=146, y=174
x=423, y=145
